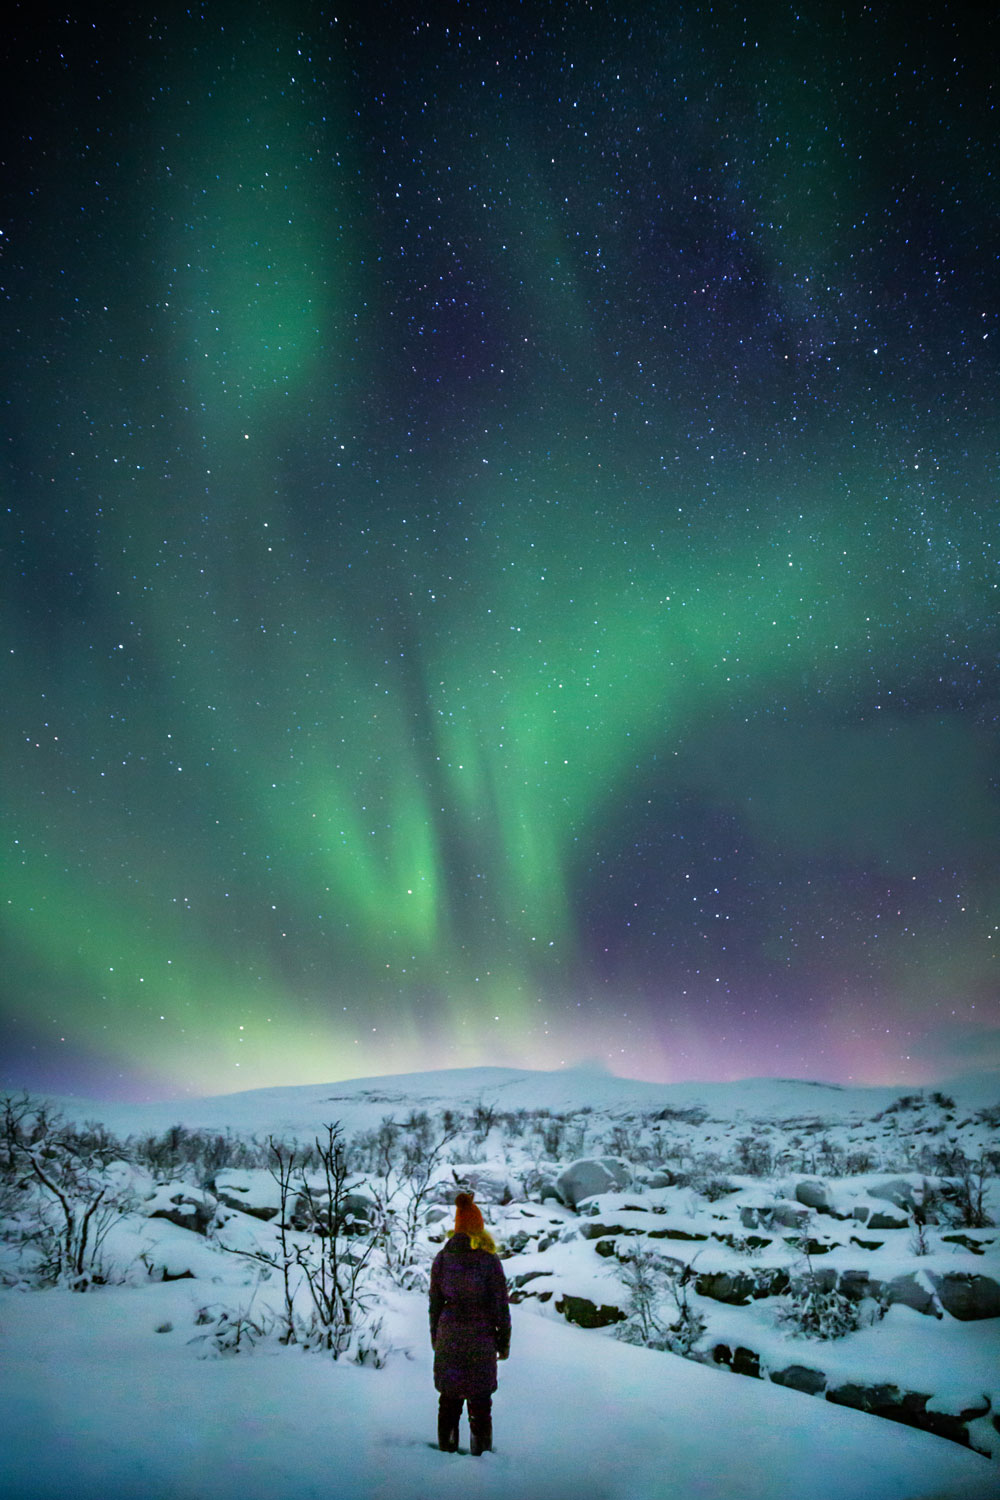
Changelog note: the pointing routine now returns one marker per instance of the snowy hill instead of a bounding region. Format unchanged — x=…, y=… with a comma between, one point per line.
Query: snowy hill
x=361, y=1102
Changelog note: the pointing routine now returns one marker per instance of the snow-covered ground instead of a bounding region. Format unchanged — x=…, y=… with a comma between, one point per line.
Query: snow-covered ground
x=121, y=1391
x=97, y=1403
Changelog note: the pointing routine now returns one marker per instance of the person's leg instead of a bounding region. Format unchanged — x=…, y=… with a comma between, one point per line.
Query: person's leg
x=449, y=1411
x=481, y=1424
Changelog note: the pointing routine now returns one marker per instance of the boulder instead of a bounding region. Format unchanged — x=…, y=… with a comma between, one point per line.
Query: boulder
x=767, y=1215
x=740, y=1287
x=900, y=1191
x=857, y=1285
x=187, y=1207
x=661, y=1178
x=801, y=1378
x=587, y=1314
x=814, y=1193
x=358, y=1213
x=312, y=1212
x=735, y=1287
x=908, y=1407
x=880, y=1220
x=879, y=1399
x=967, y=1242
x=599, y=1229
x=820, y=1279
x=523, y=1277
x=965, y=1296
x=740, y=1360
x=252, y=1192
x=592, y=1175
x=516, y=1242
x=912, y=1290
x=486, y=1183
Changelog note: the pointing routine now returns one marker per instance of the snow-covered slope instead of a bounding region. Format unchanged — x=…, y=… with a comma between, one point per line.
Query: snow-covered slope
x=360, y=1103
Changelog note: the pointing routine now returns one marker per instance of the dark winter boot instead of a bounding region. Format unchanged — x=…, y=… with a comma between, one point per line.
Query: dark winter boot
x=481, y=1442
x=480, y=1427
x=447, y=1438
x=448, y=1425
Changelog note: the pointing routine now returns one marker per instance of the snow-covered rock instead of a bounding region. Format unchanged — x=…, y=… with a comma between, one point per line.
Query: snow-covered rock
x=767, y=1215
x=815, y=1194
x=187, y=1207
x=252, y=1191
x=488, y=1182
x=904, y=1192
x=591, y=1175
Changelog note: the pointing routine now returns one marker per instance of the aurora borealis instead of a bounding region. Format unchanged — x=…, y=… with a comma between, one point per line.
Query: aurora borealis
x=500, y=543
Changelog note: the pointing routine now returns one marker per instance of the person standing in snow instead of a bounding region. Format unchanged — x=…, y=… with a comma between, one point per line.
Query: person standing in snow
x=470, y=1327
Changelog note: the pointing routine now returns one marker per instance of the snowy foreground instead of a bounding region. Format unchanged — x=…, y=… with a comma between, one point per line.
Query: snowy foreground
x=98, y=1404
x=122, y=1392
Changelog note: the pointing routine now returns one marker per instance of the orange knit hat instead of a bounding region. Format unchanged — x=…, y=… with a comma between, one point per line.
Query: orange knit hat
x=468, y=1219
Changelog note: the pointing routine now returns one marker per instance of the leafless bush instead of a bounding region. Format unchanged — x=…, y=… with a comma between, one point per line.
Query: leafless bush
x=755, y=1156
x=182, y=1152
x=707, y=1176
x=326, y=1301
x=484, y=1117
x=401, y=1192
x=966, y=1189
x=660, y=1313
x=62, y=1206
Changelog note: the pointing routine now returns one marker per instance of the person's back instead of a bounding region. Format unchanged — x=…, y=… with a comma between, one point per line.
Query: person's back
x=470, y=1327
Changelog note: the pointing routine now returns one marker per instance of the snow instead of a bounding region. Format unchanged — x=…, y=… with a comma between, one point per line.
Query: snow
x=121, y=1391
x=97, y=1403
x=360, y=1103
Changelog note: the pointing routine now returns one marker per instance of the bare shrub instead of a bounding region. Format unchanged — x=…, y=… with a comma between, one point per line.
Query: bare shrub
x=660, y=1313
x=967, y=1190
x=401, y=1192
x=755, y=1156
x=62, y=1204
x=326, y=1300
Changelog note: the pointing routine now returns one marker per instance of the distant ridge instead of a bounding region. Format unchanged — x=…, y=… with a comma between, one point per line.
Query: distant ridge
x=361, y=1103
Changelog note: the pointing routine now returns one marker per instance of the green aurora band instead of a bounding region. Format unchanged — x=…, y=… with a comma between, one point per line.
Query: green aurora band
x=342, y=718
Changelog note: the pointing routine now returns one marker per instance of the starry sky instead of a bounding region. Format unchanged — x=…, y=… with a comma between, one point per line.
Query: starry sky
x=500, y=542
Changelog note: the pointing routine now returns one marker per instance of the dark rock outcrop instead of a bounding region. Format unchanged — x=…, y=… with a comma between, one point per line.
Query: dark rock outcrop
x=740, y=1360
x=740, y=1287
x=908, y=1407
x=801, y=1378
x=965, y=1296
x=187, y=1207
x=598, y=1229
x=587, y=1314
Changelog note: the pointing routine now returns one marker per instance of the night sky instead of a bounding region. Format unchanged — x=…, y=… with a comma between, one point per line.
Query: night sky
x=500, y=542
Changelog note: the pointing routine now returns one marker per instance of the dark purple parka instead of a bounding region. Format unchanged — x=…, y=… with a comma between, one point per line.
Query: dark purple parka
x=470, y=1319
